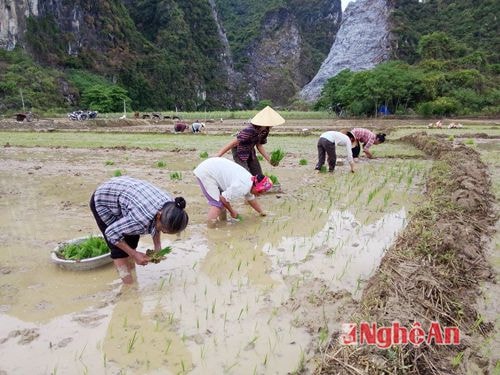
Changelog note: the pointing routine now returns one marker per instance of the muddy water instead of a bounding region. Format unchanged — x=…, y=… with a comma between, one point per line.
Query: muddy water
x=219, y=303
x=487, y=307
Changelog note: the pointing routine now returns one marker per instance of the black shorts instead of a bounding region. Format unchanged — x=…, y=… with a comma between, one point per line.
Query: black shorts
x=116, y=252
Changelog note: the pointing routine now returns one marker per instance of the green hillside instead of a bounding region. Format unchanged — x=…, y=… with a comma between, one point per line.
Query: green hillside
x=166, y=54
x=448, y=54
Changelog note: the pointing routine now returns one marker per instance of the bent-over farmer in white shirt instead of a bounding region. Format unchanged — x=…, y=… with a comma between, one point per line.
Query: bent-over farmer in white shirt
x=327, y=143
x=222, y=181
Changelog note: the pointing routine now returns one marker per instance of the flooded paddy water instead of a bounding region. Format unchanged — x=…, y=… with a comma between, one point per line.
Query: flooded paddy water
x=256, y=297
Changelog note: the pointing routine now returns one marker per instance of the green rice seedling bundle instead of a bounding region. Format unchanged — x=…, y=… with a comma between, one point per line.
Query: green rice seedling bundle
x=176, y=176
x=273, y=179
x=89, y=248
x=276, y=156
x=158, y=256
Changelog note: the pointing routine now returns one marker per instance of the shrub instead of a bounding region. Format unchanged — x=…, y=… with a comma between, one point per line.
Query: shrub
x=442, y=106
x=263, y=103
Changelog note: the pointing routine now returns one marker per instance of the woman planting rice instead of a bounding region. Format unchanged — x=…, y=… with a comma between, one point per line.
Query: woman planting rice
x=222, y=181
x=126, y=208
x=254, y=136
x=327, y=145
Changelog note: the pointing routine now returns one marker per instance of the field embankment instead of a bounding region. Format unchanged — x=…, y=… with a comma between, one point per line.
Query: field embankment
x=432, y=273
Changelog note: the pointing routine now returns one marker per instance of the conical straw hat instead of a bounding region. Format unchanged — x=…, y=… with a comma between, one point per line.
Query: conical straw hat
x=267, y=117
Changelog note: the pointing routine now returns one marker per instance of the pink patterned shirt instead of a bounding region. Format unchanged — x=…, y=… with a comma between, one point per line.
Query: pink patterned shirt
x=364, y=136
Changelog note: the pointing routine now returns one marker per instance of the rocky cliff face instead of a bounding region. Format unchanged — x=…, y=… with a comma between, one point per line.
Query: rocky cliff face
x=282, y=60
x=362, y=42
x=13, y=16
x=273, y=70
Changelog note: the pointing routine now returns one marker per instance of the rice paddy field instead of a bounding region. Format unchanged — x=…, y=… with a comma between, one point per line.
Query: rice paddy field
x=266, y=295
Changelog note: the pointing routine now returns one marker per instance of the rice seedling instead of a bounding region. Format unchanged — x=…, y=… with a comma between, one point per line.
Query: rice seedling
x=302, y=162
x=132, y=342
x=117, y=173
x=301, y=366
x=167, y=346
x=322, y=169
x=203, y=352
x=227, y=369
x=203, y=155
x=161, y=164
x=323, y=335
x=109, y=162
x=273, y=178
x=387, y=196
x=176, y=176
x=81, y=353
x=457, y=360
x=241, y=312
x=260, y=157
x=89, y=248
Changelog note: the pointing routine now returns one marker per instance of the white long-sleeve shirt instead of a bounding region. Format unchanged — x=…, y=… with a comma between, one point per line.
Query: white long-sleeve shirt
x=221, y=176
x=340, y=139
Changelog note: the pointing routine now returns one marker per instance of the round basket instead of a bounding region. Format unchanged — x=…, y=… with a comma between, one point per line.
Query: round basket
x=78, y=265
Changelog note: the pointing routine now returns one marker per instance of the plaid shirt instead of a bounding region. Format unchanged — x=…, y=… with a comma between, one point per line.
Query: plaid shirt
x=364, y=136
x=128, y=206
x=248, y=138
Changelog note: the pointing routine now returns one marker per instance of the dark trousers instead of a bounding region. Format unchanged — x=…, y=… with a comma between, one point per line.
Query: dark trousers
x=116, y=252
x=325, y=146
x=252, y=164
x=356, y=150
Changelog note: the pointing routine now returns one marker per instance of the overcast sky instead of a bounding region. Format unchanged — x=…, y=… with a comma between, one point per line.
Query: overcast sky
x=344, y=3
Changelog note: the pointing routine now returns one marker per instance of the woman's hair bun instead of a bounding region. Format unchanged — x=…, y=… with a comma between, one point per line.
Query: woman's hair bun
x=180, y=202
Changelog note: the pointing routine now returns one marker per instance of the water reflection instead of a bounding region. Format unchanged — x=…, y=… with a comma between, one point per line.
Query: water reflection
x=343, y=253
